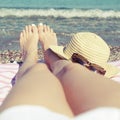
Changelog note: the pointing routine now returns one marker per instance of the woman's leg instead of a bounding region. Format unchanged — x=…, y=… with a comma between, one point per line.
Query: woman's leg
x=36, y=85
x=87, y=90
x=29, y=48
x=47, y=37
x=84, y=89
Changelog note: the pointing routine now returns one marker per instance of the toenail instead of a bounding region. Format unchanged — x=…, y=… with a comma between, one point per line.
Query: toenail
x=33, y=24
x=41, y=24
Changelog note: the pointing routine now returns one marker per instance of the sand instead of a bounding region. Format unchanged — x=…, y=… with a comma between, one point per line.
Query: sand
x=10, y=56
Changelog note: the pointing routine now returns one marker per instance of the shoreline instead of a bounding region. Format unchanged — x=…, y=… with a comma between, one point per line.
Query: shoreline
x=10, y=56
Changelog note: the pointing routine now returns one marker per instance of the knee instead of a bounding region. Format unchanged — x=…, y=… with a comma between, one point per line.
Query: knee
x=40, y=67
x=71, y=66
x=67, y=69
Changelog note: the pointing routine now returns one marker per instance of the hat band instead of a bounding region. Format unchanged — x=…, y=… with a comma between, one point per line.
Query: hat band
x=91, y=66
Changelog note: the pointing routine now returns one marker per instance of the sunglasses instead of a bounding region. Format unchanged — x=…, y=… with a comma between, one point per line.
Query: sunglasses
x=91, y=66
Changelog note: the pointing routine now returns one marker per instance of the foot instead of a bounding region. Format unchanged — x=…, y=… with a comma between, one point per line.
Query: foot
x=29, y=43
x=29, y=48
x=47, y=36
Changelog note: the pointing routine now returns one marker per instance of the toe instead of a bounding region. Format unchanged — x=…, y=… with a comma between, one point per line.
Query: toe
x=25, y=32
x=48, y=28
x=35, y=30
x=29, y=29
x=51, y=30
x=40, y=27
x=21, y=41
x=45, y=29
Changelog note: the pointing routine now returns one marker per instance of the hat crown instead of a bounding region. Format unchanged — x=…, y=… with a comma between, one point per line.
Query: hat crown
x=90, y=46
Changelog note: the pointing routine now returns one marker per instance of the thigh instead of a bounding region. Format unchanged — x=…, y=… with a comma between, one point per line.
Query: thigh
x=86, y=90
x=39, y=87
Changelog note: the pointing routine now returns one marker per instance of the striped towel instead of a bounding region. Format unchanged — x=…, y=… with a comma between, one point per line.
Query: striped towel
x=116, y=77
x=7, y=73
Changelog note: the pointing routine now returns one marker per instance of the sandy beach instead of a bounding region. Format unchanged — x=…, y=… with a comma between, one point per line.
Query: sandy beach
x=115, y=53
x=10, y=56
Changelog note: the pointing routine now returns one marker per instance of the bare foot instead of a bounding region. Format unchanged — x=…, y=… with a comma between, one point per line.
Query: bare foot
x=29, y=43
x=47, y=36
x=29, y=48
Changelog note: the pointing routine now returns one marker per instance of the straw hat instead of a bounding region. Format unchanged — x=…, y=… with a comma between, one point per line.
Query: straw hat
x=90, y=46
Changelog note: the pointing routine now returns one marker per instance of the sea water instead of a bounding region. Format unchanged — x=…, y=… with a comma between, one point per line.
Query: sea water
x=64, y=16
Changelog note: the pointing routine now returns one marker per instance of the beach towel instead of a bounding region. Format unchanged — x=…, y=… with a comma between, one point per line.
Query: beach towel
x=7, y=73
x=116, y=77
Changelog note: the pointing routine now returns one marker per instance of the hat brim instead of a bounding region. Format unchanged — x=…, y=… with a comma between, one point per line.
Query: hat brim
x=111, y=70
x=58, y=50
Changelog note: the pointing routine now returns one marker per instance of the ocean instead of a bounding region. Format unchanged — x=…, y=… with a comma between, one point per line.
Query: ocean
x=64, y=16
